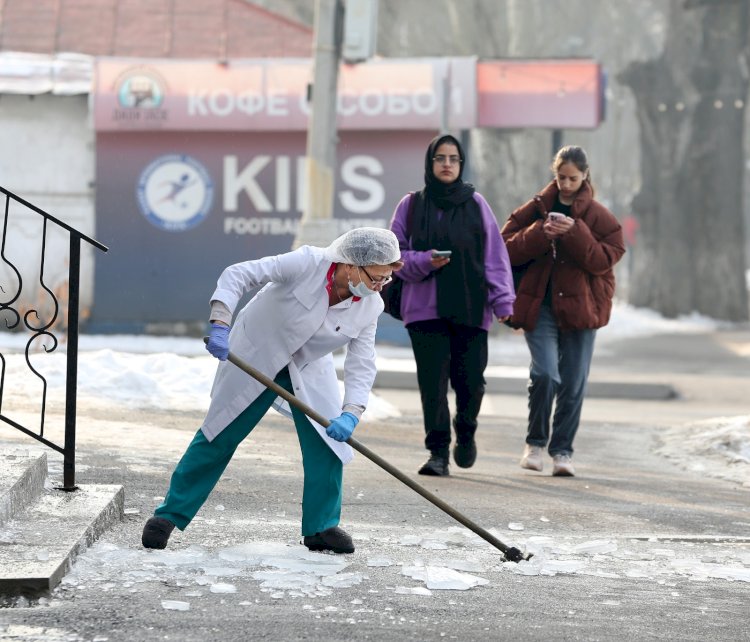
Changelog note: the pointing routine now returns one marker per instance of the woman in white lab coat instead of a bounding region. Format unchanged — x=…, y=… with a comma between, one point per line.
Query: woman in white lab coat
x=312, y=302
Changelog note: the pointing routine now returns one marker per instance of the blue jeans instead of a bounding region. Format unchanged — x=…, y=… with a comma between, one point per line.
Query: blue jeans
x=560, y=363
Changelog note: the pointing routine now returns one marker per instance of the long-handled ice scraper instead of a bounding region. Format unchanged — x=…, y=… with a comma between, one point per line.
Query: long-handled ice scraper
x=511, y=553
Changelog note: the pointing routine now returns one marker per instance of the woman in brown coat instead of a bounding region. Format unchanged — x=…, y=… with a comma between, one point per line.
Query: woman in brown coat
x=563, y=246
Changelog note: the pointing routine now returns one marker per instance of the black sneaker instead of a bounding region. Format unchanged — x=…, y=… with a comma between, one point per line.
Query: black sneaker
x=465, y=454
x=331, y=539
x=156, y=532
x=436, y=465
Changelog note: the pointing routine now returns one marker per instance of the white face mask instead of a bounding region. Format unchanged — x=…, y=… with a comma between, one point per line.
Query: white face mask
x=360, y=290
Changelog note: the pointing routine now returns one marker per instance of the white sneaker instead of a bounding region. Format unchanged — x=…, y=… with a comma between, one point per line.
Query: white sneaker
x=562, y=466
x=532, y=457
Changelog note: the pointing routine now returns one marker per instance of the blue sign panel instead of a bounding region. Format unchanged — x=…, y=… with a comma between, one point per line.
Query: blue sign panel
x=176, y=208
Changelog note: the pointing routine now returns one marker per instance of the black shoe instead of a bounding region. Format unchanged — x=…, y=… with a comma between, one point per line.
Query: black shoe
x=156, y=532
x=436, y=465
x=331, y=539
x=465, y=454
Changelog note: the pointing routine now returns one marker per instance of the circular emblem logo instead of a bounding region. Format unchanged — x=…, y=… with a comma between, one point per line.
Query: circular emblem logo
x=175, y=192
x=140, y=90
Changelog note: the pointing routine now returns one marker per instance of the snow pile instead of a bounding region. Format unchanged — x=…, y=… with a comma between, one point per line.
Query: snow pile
x=718, y=447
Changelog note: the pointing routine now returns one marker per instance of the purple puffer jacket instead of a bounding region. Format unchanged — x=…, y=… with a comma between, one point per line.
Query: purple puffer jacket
x=419, y=296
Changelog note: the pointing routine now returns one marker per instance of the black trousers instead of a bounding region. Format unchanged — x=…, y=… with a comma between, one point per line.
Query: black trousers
x=446, y=351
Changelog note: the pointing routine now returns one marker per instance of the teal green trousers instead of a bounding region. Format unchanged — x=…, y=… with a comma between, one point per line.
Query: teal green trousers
x=204, y=462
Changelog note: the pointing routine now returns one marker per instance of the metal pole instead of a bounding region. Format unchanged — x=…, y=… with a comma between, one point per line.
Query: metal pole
x=557, y=137
x=317, y=226
x=465, y=138
x=71, y=381
x=512, y=554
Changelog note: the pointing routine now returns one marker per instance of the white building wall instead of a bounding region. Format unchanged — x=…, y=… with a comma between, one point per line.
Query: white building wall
x=47, y=158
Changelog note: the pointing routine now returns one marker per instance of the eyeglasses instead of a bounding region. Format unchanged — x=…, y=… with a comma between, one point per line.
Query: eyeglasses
x=440, y=159
x=380, y=281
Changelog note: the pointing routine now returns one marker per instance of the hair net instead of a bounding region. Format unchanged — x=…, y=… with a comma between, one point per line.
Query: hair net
x=365, y=246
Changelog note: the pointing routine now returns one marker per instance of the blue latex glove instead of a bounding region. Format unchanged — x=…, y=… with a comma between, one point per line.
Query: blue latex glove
x=218, y=341
x=342, y=427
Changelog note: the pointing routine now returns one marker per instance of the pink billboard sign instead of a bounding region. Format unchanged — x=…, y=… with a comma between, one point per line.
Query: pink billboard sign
x=271, y=95
x=559, y=94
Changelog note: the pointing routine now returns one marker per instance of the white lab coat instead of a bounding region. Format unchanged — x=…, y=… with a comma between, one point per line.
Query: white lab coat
x=289, y=323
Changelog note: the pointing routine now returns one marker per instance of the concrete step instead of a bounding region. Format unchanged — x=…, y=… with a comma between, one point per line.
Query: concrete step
x=22, y=476
x=42, y=528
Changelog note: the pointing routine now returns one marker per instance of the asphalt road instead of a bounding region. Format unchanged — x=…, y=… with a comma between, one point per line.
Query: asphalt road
x=669, y=533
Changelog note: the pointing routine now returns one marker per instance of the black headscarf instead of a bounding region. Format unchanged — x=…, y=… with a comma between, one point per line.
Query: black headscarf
x=445, y=196
x=461, y=285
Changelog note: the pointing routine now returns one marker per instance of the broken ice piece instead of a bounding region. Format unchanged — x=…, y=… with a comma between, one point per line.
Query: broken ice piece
x=434, y=545
x=440, y=578
x=410, y=540
x=563, y=566
x=220, y=571
x=595, y=546
x=537, y=544
x=286, y=579
x=525, y=567
x=175, y=605
x=662, y=552
x=343, y=580
x=416, y=590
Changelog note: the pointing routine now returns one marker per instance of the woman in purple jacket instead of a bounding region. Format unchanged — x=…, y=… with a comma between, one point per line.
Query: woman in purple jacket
x=448, y=300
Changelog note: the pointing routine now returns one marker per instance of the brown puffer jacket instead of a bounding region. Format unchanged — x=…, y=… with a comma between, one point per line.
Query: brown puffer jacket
x=583, y=282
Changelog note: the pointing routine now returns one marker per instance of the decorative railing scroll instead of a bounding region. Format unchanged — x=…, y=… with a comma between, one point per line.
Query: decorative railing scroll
x=42, y=324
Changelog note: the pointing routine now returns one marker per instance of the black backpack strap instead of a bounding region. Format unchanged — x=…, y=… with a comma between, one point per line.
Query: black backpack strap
x=410, y=215
x=391, y=292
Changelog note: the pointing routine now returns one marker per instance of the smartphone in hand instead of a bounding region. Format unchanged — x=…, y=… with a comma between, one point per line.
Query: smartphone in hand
x=441, y=254
x=556, y=216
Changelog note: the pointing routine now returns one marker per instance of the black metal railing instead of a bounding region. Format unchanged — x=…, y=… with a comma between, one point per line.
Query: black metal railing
x=15, y=315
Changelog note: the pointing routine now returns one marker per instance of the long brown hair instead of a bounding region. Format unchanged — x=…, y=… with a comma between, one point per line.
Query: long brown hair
x=577, y=156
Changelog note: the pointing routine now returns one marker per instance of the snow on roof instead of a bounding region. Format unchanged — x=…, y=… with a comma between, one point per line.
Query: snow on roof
x=49, y=46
